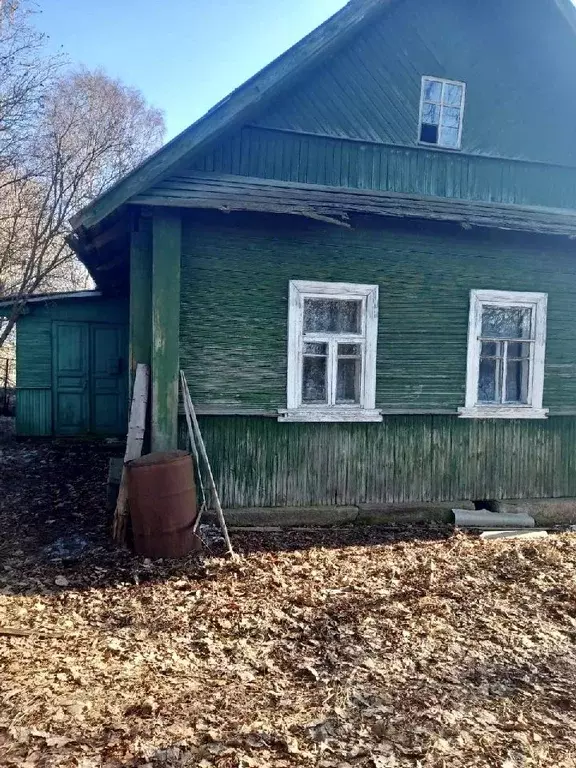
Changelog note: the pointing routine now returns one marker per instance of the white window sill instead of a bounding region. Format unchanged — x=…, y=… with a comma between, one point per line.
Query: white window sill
x=329, y=415
x=503, y=412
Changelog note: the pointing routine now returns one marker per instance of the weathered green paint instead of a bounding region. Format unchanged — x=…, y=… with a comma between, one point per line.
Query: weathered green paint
x=140, y=294
x=34, y=412
x=354, y=122
x=108, y=379
x=233, y=326
x=350, y=119
x=166, y=249
x=338, y=162
x=260, y=462
x=71, y=377
x=358, y=76
x=35, y=373
x=370, y=88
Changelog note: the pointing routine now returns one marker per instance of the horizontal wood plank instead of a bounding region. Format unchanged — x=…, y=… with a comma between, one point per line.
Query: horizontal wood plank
x=234, y=193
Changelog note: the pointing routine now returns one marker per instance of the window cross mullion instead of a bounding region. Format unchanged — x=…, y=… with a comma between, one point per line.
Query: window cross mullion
x=332, y=370
x=504, y=372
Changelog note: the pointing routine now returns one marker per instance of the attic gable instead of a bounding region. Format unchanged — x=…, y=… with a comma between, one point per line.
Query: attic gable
x=374, y=96
x=516, y=59
x=232, y=111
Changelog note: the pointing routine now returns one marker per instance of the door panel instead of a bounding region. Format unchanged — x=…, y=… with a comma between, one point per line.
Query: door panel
x=108, y=379
x=71, y=383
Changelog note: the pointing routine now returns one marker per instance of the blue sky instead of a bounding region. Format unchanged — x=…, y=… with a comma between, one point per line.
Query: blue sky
x=185, y=55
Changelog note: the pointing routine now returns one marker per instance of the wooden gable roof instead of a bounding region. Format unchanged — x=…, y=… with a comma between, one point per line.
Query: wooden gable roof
x=243, y=103
x=233, y=109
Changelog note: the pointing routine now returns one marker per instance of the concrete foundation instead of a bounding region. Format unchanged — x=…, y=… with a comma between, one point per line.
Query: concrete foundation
x=544, y=511
x=364, y=514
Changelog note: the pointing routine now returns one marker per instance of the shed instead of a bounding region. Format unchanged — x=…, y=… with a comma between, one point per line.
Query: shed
x=71, y=365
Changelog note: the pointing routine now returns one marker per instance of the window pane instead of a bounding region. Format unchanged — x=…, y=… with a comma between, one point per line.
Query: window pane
x=349, y=349
x=453, y=95
x=489, y=381
x=451, y=117
x=448, y=137
x=314, y=380
x=518, y=351
x=315, y=349
x=431, y=114
x=429, y=133
x=348, y=380
x=332, y=316
x=517, y=381
x=432, y=90
x=491, y=349
x=506, y=322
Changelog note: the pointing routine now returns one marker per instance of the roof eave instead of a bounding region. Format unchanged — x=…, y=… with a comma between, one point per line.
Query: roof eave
x=43, y=297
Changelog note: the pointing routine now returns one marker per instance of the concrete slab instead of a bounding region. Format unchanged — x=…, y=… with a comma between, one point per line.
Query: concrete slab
x=490, y=535
x=482, y=518
x=544, y=511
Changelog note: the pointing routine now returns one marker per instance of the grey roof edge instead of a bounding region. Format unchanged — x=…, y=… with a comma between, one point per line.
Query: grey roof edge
x=59, y=296
x=233, y=107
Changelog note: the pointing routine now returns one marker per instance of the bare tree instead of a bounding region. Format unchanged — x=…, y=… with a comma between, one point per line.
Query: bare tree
x=90, y=131
x=26, y=73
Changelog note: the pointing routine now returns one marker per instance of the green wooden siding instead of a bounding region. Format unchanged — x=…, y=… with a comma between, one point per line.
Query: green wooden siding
x=353, y=121
x=34, y=412
x=370, y=88
x=260, y=462
x=35, y=353
x=235, y=290
x=338, y=162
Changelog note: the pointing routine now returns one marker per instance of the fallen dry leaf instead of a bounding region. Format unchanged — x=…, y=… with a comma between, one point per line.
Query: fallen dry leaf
x=370, y=648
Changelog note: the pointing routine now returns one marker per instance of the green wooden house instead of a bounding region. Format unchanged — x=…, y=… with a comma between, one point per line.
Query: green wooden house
x=364, y=261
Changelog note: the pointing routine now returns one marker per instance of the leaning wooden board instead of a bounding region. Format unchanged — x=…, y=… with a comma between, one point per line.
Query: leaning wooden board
x=134, y=443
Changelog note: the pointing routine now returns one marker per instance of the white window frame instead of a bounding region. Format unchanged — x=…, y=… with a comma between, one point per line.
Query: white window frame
x=473, y=409
x=299, y=290
x=442, y=105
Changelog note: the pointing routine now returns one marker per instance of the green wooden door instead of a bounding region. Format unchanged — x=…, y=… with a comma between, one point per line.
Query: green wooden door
x=71, y=378
x=108, y=380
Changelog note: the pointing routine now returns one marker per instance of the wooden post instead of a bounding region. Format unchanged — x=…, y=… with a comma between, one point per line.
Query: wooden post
x=166, y=250
x=140, y=294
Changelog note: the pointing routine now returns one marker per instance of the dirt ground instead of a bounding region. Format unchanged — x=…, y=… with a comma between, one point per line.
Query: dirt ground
x=342, y=648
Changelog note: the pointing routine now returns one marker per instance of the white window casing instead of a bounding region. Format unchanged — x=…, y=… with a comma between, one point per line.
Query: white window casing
x=441, y=117
x=487, y=389
x=330, y=348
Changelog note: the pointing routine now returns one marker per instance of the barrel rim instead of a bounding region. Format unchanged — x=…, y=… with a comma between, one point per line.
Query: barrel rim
x=159, y=458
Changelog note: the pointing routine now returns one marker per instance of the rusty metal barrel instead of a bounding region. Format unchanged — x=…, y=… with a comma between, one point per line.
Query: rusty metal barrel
x=162, y=499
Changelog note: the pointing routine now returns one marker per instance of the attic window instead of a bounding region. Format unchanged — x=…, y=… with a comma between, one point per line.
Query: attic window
x=332, y=334
x=441, y=112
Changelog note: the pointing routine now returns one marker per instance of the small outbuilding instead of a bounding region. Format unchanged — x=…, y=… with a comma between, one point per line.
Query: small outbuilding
x=71, y=365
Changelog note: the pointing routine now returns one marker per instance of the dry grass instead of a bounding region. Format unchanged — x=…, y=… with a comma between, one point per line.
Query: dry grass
x=342, y=648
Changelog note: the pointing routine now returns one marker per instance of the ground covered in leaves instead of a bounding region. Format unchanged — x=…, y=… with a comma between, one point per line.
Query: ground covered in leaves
x=375, y=647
